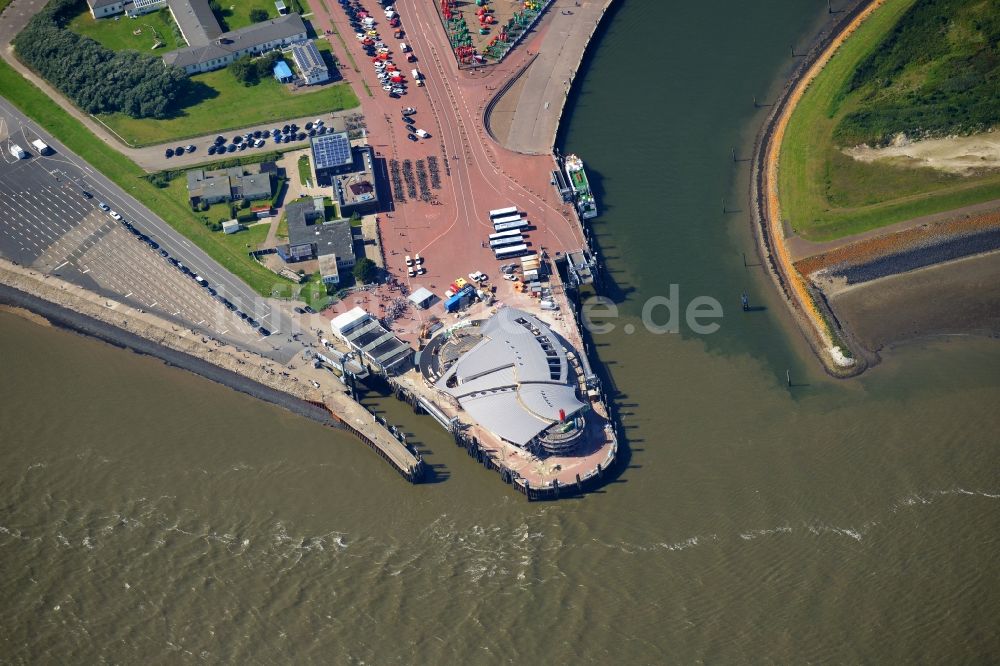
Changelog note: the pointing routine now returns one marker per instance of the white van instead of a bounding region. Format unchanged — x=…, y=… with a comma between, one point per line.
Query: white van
x=422, y=133
x=17, y=151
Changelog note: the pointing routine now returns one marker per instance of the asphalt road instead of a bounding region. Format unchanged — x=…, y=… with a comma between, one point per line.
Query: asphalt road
x=60, y=197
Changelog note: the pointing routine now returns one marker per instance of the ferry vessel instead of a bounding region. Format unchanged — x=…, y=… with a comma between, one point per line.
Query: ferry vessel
x=585, y=202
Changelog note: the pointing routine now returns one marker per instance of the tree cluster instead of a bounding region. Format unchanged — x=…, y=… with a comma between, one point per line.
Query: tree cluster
x=365, y=271
x=936, y=73
x=97, y=79
x=249, y=71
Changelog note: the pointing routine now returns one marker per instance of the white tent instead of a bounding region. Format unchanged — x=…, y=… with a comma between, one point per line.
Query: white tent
x=422, y=297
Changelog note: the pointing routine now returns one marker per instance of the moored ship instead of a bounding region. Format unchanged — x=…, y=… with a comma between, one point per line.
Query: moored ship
x=585, y=202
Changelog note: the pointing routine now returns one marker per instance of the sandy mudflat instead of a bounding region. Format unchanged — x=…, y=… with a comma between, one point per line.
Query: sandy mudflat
x=956, y=297
x=25, y=314
x=953, y=154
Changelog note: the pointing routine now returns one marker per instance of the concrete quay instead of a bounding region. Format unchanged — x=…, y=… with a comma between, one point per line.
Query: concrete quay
x=538, y=98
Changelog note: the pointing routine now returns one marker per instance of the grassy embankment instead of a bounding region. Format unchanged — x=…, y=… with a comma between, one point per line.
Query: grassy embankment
x=231, y=253
x=902, y=71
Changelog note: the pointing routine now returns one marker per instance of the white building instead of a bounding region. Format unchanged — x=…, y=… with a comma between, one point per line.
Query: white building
x=310, y=63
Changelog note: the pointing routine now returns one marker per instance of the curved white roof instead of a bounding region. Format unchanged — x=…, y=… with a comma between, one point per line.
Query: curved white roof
x=516, y=379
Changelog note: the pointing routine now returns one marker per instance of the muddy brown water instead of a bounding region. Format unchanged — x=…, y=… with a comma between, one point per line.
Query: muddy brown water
x=150, y=516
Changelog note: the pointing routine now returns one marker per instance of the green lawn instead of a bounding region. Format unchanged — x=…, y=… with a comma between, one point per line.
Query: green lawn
x=305, y=170
x=248, y=239
x=37, y=106
x=118, y=35
x=825, y=194
x=282, y=231
x=218, y=102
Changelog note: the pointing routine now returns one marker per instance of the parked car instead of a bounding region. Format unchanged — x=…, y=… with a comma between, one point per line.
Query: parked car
x=409, y=260
x=179, y=150
x=192, y=148
x=309, y=310
x=412, y=137
x=409, y=111
x=232, y=148
x=103, y=206
x=115, y=215
x=86, y=194
x=168, y=153
x=211, y=149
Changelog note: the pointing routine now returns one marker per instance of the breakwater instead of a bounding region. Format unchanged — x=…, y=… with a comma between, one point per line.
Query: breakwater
x=82, y=324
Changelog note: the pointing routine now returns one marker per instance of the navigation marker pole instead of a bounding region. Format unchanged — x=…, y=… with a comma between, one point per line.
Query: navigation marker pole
x=788, y=377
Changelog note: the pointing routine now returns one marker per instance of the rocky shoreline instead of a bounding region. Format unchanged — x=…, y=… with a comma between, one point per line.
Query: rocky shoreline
x=815, y=319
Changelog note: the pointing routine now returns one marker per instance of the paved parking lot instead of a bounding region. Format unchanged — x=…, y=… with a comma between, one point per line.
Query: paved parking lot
x=47, y=222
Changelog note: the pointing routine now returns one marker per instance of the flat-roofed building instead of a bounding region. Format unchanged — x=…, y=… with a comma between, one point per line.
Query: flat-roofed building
x=350, y=170
x=329, y=272
x=310, y=236
x=377, y=346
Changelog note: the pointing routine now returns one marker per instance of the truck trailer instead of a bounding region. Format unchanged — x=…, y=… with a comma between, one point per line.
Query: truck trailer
x=41, y=147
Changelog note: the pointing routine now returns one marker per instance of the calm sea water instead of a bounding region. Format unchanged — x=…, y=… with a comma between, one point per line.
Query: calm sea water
x=149, y=516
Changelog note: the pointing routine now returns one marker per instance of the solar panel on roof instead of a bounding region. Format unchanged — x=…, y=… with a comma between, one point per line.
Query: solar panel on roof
x=331, y=150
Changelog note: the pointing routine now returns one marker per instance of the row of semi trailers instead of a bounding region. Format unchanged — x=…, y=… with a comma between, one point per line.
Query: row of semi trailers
x=508, y=242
